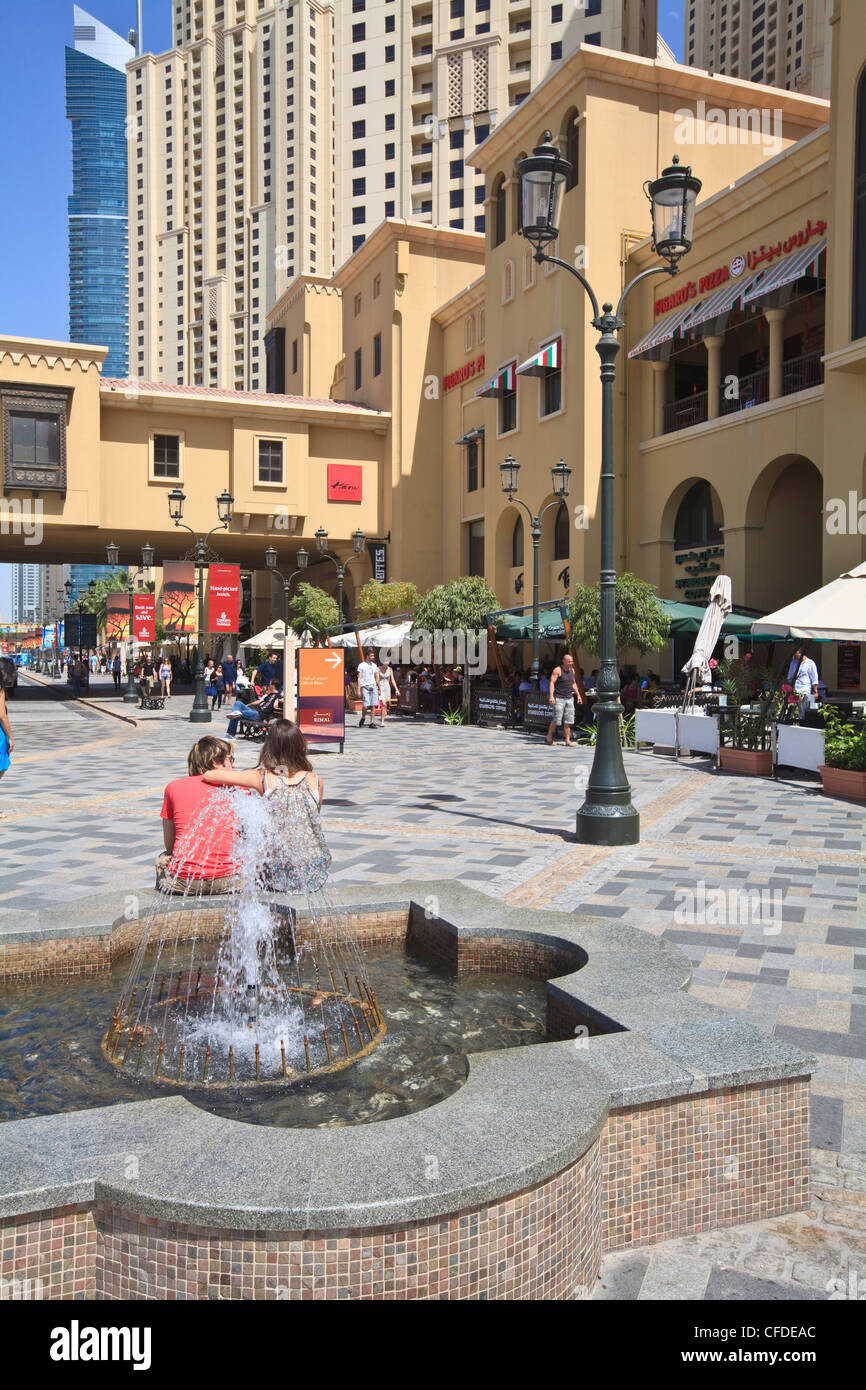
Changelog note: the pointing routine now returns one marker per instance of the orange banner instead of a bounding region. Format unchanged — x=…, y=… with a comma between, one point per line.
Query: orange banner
x=117, y=617
x=178, y=597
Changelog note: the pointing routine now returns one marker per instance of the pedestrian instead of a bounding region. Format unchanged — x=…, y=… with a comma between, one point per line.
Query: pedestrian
x=191, y=858
x=563, y=694
x=368, y=687
x=230, y=672
x=75, y=673
x=257, y=711
x=165, y=676
x=115, y=671
x=803, y=676
x=387, y=686
x=7, y=681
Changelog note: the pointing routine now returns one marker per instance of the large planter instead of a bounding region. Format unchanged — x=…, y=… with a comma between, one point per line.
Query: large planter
x=755, y=762
x=839, y=781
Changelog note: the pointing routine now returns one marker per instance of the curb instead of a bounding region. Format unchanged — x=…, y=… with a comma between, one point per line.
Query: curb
x=77, y=700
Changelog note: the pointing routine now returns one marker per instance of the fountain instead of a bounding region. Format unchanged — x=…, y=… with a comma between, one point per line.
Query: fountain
x=237, y=989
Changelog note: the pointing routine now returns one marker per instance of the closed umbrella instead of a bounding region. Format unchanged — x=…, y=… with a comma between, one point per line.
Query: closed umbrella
x=698, y=663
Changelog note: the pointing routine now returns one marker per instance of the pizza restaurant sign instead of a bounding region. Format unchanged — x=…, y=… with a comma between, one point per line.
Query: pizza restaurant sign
x=464, y=373
x=714, y=279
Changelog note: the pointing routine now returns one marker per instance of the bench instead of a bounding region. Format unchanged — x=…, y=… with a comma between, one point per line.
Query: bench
x=254, y=729
x=148, y=700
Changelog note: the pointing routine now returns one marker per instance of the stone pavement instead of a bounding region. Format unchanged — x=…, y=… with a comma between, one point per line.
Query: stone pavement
x=760, y=882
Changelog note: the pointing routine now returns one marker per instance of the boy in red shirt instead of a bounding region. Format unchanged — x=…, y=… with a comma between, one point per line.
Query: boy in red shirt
x=198, y=853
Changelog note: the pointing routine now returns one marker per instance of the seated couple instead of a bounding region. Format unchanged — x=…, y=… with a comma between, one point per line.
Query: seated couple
x=265, y=708
x=203, y=861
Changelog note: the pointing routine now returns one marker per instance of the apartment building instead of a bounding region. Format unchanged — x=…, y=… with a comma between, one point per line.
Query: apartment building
x=783, y=43
x=272, y=139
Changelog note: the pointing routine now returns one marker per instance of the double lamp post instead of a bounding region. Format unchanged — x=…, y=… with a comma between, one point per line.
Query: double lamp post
x=607, y=816
x=130, y=696
x=200, y=713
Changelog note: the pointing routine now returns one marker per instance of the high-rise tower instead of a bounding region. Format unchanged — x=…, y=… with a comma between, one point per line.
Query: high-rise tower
x=784, y=43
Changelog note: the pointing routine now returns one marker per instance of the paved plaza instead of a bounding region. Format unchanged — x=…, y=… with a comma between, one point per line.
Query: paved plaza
x=495, y=809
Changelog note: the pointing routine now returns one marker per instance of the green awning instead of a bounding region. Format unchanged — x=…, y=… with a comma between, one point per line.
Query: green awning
x=516, y=627
x=686, y=619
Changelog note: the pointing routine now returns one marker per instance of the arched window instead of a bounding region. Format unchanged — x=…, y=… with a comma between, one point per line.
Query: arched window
x=561, y=533
x=517, y=543
x=858, y=326
x=696, y=523
x=508, y=281
x=482, y=325
x=529, y=264
x=572, y=148
x=498, y=219
x=469, y=333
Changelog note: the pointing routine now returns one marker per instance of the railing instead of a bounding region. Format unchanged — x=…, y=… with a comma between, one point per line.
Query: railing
x=753, y=389
x=802, y=372
x=691, y=410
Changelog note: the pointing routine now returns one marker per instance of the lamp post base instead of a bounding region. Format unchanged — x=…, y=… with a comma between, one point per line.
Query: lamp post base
x=199, y=716
x=130, y=697
x=608, y=824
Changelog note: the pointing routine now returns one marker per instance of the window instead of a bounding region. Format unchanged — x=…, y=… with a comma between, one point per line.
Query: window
x=270, y=461
x=165, y=456
x=390, y=121
x=359, y=215
x=517, y=544
x=34, y=439
x=556, y=50
x=508, y=410
x=358, y=361
x=359, y=130
x=561, y=533
x=389, y=24
x=377, y=286
x=858, y=329
x=390, y=87
x=357, y=305
x=377, y=355
x=507, y=281
x=389, y=53
x=456, y=140
x=556, y=14
x=593, y=7
x=696, y=522
x=475, y=546
x=455, y=198
x=359, y=62
x=474, y=465
x=359, y=159
x=359, y=188
x=359, y=33
x=389, y=151
x=498, y=219
x=359, y=96
x=389, y=209
x=294, y=356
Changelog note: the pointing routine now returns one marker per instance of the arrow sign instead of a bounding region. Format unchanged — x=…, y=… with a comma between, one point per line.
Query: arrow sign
x=333, y=660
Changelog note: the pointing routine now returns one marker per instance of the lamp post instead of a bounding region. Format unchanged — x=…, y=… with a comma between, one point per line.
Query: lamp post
x=358, y=539
x=303, y=559
x=607, y=816
x=508, y=470
x=200, y=714
x=113, y=553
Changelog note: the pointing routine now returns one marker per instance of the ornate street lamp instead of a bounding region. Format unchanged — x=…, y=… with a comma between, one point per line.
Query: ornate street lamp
x=271, y=562
x=200, y=714
x=508, y=470
x=607, y=816
x=358, y=539
x=113, y=552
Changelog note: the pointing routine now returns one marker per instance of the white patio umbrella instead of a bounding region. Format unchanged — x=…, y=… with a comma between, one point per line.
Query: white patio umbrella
x=268, y=637
x=836, y=613
x=698, y=664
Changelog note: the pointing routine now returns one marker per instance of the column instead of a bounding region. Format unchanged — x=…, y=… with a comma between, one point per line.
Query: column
x=660, y=383
x=775, y=318
x=714, y=375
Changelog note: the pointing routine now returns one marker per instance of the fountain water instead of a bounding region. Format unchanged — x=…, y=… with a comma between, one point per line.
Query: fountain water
x=239, y=988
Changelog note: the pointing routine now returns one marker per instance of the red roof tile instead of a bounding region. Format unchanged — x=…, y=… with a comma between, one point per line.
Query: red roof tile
x=133, y=385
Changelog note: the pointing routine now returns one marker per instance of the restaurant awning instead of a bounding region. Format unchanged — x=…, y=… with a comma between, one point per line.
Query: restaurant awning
x=517, y=627
x=809, y=260
x=835, y=613
x=471, y=436
x=548, y=359
x=718, y=305
x=662, y=334
x=686, y=619
x=499, y=384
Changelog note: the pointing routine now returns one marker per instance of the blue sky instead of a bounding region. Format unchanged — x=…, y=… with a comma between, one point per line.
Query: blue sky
x=37, y=171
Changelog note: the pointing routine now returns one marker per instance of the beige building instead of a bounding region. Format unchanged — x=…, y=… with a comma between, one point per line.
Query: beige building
x=783, y=43
x=272, y=139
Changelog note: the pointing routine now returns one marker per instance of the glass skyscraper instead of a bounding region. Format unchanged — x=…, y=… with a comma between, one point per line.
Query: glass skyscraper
x=98, y=271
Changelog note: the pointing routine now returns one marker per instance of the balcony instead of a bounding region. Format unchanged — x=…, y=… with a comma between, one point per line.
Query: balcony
x=798, y=374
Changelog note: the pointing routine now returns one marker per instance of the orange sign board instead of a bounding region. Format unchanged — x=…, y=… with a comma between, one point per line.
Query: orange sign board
x=321, y=694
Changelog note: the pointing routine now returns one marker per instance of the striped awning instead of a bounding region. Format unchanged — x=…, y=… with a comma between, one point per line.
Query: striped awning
x=471, y=436
x=501, y=383
x=670, y=327
x=731, y=296
x=809, y=260
x=548, y=359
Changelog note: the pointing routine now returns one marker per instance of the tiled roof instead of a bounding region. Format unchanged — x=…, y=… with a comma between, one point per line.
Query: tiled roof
x=132, y=386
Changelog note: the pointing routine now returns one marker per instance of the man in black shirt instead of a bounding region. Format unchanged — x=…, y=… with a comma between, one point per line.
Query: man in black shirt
x=265, y=708
x=564, y=690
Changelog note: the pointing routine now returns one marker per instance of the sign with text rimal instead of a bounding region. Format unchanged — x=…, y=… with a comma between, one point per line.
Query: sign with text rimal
x=321, y=694
x=345, y=482
x=223, y=597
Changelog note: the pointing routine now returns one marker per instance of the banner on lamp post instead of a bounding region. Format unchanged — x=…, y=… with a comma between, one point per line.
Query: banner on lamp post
x=178, y=597
x=223, y=598
x=144, y=617
x=377, y=559
x=117, y=617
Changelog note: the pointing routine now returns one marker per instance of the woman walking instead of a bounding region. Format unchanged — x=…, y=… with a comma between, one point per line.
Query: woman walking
x=165, y=676
x=387, y=687
x=7, y=680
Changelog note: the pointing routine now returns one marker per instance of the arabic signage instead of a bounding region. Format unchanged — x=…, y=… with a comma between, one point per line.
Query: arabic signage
x=537, y=711
x=344, y=482
x=464, y=373
x=495, y=706
x=223, y=597
x=321, y=694
x=714, y=279
x=848, y=667
x=701, y=568
x=144, y=617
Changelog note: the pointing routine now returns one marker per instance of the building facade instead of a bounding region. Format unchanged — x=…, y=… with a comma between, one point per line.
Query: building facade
x=783, y=43
x=272, y=139
x=98, y=263
x=26, y=593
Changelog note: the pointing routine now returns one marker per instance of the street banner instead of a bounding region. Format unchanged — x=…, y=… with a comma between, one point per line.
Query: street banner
x=48, y=636
x=377, y=560
x=178, y=597
x=144, y=617
x=321, y=694
x=117, y=617
x=223, y=598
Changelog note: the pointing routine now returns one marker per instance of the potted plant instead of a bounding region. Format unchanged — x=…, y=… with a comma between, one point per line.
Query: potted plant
x=844, y=770
x=746, y=724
